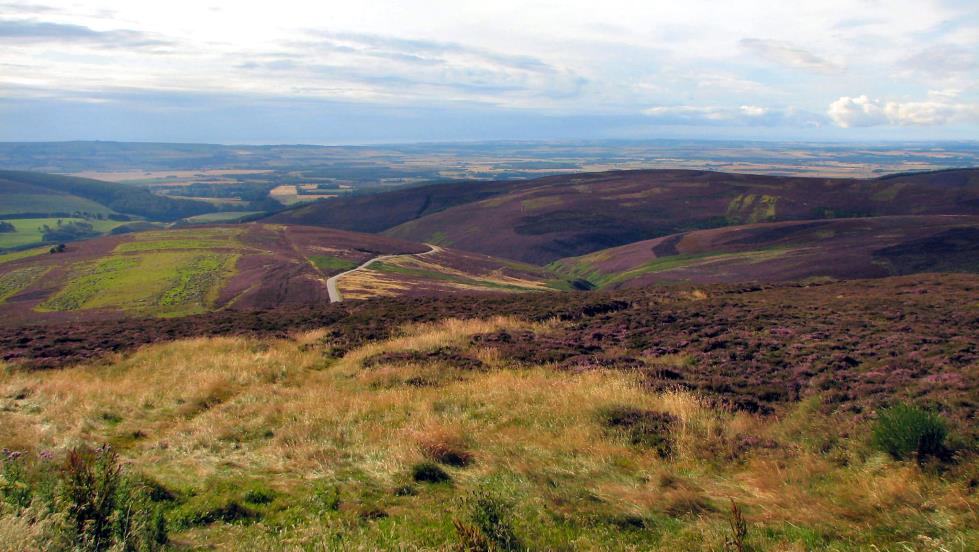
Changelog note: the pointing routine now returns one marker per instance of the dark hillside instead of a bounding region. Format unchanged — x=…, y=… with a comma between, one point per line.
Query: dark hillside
x=545, y=219
x=117, y=197
x=566, y=216
x=793, y=250
x=378, y=212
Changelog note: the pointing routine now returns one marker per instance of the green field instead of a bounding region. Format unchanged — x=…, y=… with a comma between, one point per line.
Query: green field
x=165, y=283
x=29, y=230
x=328, y=263
x=14, y=203
x=227, y=216
x=15, y=255
x=206, y=238
x=16, y=280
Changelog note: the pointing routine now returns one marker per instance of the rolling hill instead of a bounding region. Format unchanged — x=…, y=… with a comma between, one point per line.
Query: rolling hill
x=25, y=193
x=379, y=212
x=177, y=272
x=542, y=220
x=786, y=251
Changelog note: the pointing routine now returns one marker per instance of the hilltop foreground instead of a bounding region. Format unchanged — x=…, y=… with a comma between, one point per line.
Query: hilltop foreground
x=632, y=420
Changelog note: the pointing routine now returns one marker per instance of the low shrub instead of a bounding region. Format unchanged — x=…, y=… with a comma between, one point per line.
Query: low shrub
x=259, y=495
x=428, y=472
x=205, y=510
x=643, y=428
x=326, y=497
x=905, y=430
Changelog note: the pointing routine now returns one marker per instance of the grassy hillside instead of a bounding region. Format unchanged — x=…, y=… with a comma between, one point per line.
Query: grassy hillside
x=784, y=251
x=32, y=193
x=31, y=200
x=30, y=230
x=522, y=423
x=177, y=272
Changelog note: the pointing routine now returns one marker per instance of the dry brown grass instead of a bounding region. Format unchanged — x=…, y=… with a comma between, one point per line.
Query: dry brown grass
x=196, y=409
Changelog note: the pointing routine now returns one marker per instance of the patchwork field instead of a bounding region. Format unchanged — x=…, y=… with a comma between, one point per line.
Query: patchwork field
x=665, y=419
x=786, y=251
x=181, y=271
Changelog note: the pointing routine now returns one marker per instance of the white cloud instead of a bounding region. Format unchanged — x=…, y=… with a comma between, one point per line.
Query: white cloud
x=713, y=63
x=940, y=108
x=753, y=110
x=789, y=55
x=745, y=115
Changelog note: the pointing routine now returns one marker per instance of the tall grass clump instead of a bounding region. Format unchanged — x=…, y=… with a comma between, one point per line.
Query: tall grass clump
x=488, y=527
x=905, y=430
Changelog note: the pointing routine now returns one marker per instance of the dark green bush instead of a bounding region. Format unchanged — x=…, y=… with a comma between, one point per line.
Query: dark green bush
x=643, y=428
x=428, y=472
x=208, y=509
x=259, y=495
x=904, y=431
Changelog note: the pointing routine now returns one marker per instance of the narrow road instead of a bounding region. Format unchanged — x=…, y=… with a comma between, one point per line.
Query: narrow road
x=331, y=282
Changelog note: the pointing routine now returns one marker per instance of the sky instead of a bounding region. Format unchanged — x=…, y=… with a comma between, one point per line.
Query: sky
x=372, y=71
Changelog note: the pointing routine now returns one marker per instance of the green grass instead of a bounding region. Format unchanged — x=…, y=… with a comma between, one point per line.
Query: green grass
x=227, y=216
x=164, y=240
x=48, y=203
x=539, y=203
x=29, y=230
x=328, y=263
x=163, y=283
x=16, y=280
x=439, y=238
x=751, y=208
x=16, y=255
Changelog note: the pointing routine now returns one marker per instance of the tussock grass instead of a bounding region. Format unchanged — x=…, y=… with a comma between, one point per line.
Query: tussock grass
x=320, y=454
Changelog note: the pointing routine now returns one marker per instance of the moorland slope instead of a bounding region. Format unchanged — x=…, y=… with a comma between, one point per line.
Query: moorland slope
x=379, y=212
x=785, y=251
x=176, y=272
x=560, y=217
x=613, y=420
x=542, y=220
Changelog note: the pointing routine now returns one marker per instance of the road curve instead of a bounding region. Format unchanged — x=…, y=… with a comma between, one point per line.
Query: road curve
x=331, y=282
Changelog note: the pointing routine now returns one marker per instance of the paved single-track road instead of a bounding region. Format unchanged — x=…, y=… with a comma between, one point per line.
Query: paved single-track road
x=331, y=282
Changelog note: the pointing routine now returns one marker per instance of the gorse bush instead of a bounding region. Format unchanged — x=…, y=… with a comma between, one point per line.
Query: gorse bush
x=87, y=500
x=905, y=430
